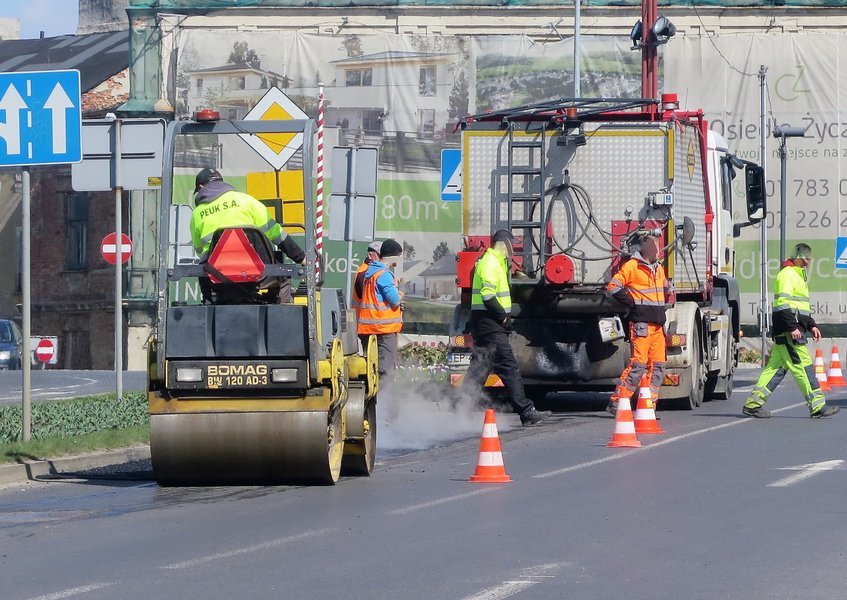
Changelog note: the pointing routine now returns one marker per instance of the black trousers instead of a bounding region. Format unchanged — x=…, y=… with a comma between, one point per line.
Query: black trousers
x=493, y=354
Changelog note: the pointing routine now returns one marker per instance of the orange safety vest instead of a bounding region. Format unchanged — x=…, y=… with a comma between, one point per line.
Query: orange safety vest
x=376, y=316
x=357, y=298
x=646, y=285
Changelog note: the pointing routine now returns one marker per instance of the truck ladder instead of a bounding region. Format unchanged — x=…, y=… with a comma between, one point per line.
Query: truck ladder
x=525, y=207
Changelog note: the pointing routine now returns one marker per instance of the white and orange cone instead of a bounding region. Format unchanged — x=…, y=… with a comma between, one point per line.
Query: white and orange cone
x=624, y=434
x=645, y=412
x=489, y=465
x=834, y=376
x=820, y=371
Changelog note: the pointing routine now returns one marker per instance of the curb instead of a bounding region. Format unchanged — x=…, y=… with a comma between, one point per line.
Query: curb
x=32, y=470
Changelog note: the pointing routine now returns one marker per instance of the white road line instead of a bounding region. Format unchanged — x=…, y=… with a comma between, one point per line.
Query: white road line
x=806, y=471
x=83, y=589
x=414, y=507
x=670, y=440
x=255, y=548
x=504, y=590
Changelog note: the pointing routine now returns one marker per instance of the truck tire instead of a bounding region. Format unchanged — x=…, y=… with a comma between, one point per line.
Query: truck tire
x=698, y=372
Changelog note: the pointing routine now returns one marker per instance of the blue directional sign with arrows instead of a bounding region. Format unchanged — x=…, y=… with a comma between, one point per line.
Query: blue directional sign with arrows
x=40, y=118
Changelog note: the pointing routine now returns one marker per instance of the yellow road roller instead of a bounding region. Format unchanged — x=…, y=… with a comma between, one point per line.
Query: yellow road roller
x=254, y=374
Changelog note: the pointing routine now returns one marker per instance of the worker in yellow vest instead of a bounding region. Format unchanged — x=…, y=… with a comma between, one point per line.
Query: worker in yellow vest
x=491, y=324
x=380, y=312
x=218, y=206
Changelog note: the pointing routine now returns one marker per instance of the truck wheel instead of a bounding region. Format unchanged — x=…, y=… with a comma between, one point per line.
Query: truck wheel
x=720, y=388
x=698, y=373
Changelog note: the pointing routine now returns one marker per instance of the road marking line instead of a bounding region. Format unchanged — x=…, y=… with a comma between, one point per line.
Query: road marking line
x=414, y=507
x=255, y=548
x=83, y=589
x=504, y=590
x=806, y=471
x=670, y=440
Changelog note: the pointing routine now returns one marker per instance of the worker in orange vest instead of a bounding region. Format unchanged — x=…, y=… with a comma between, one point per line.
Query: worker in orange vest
x=380, y=311
x=642, y=287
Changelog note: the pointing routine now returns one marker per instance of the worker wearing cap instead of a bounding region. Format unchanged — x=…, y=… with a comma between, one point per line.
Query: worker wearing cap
x=380, y=311
x=359, y=279
x=792, y=319
x=218, y=206
x=491, y=323
x=640, y=285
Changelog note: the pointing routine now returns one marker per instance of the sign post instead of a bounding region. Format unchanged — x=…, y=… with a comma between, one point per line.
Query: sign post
x=42, y=126
x=119, y=307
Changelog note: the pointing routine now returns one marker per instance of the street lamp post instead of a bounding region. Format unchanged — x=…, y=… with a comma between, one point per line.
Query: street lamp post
x=783, y=132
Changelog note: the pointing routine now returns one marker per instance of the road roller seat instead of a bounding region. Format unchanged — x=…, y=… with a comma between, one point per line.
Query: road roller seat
x=235, y=265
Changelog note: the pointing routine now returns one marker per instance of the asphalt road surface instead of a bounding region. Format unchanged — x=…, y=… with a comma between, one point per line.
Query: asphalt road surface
x=59, y=384
x=717, y=507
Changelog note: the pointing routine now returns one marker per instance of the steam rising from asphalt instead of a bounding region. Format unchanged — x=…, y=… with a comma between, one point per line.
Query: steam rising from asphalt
x=416, y=416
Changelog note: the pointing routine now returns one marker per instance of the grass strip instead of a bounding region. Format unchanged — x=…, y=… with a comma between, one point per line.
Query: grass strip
x=56, y=446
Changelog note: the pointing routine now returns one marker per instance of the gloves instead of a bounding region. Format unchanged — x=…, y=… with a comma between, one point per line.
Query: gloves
x=507, y=323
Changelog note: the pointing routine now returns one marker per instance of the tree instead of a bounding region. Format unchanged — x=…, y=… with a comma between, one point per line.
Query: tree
x=408, y=251
x=441, y=250
x=243, y=55
x=353, y=45
x=458, y=106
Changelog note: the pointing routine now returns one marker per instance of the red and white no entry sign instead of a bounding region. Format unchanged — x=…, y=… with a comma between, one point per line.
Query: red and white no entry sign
x=44, y=350
x=109, y=248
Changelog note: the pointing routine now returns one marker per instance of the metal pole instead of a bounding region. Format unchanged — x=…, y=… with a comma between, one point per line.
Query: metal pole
x=348, y=226
x=764, y=309
x=783, y=167
x=119, y=255
x=25, y=304
x=576, y=51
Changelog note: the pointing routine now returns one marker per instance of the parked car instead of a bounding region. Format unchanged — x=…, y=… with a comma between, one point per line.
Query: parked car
x=11, y=345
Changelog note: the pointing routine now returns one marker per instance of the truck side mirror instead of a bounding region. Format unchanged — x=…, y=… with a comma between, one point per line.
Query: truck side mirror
x=756, y=197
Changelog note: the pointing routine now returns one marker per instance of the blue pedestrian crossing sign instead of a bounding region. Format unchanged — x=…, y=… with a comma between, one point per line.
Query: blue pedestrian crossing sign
x=40, y=118
x=451, y=175
x=841, y=253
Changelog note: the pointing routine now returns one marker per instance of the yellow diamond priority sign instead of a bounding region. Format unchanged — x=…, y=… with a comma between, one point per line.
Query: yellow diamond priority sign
x=276, y=148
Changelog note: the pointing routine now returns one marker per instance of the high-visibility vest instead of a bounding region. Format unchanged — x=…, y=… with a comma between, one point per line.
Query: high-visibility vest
x=230, y=209
x=791, y=292
x=646, y=285
x=356, y=301
x=375, y=315
x=491, y=280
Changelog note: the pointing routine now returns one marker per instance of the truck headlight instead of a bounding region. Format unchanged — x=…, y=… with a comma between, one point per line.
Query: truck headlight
x=284, y=375
x=186, y=375
x=5, y=355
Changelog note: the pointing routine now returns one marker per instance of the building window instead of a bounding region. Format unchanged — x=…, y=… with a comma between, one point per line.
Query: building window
x=236, y=83
x=76, y=256
x=426, y=84
x=199, y=86
x=359, y=77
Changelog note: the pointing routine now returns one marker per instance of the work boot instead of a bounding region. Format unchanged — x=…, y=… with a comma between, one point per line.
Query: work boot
x=826, y=411
x=759, y=412
x=533, y=416
x=612, y=407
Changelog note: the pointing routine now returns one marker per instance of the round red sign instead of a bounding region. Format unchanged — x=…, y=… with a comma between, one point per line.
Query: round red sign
x=109, y=248
x=45, y=350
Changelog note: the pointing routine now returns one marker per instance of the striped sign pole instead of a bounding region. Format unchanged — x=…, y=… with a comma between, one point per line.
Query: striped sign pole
x=319, y=206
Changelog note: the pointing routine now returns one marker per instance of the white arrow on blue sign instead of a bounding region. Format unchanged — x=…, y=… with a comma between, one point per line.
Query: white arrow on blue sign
x=40, y=118
x=451, y=175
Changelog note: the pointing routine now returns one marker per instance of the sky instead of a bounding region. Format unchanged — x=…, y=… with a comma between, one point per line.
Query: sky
x=53, y=17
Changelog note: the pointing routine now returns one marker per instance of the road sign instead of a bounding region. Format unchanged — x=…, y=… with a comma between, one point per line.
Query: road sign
x=45, y=350
x=352, y=203
x=276, y=148
x=841, y=253
x=451, y=175
x=142, y=141
x=42, y=118
x=109, y=249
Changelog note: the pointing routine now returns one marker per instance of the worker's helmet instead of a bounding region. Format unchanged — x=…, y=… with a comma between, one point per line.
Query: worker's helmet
x=205, y=176
x=803, y=251
x=390, y=248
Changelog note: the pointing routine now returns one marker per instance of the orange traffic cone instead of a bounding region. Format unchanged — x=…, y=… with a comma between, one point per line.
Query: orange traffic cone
x=624, y=434
x=645, y=413
x=834, y=376
x=489, y=466
x=820, y=371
